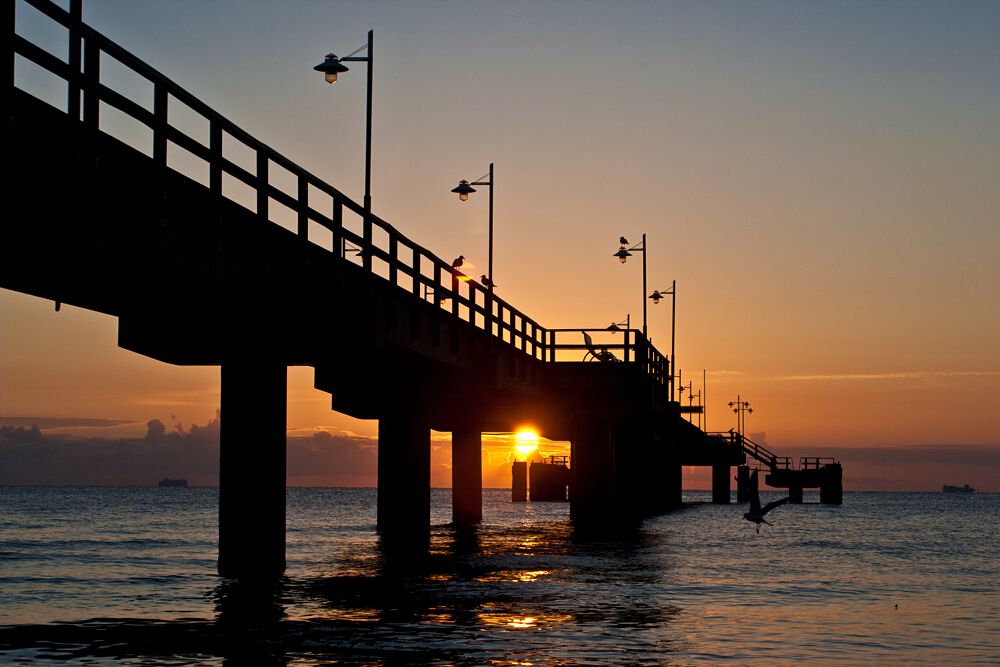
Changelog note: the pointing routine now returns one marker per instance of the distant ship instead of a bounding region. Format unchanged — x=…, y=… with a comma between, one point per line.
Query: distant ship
x=166, y=481
x=958, y=489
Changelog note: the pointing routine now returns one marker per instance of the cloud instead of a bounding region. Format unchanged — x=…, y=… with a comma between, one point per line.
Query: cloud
x=341, y=460
x=890, y=376
x=19, y=434
x=51, y=423
x=154, y=429
x=69, y=460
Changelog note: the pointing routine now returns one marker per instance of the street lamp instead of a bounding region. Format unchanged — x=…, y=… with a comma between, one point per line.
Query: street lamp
x=463, y=190
x=656, y=296
x=741, y=408
x=622, y=255
x=331, y=67
x=616, y=326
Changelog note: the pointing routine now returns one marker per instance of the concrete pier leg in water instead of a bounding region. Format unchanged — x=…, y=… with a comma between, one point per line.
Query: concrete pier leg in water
x=831, y=490
x=720, y=484
x=743, y=484
x=592, y=469
x=519, y=482
x=404, y=472
x=673, y=482
x=795, y=491
x=252, y=470
x=466, y=477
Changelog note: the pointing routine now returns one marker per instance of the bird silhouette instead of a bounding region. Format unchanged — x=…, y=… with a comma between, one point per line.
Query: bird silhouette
x=623, y=241
x=458, y=262
x=486, y=281
x=756, y=513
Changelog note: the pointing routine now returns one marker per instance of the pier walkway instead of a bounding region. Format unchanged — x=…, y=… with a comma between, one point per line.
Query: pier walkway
x=301, y=276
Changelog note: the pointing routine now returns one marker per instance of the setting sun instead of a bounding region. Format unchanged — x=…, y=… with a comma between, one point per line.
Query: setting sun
x=527, y=442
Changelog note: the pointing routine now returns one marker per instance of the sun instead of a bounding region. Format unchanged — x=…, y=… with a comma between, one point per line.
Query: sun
x=527, y=442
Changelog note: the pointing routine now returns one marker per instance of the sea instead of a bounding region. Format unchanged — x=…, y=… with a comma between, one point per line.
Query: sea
x=127, y=576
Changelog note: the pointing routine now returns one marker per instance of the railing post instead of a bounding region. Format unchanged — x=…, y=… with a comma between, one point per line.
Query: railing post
x=393, y=258
x=338, y=222
x=92, y=77
x=160, y=124
x=75, y=55
x=303, y=201
x=215, y=160
x=416, y=273
x=262, y=185
x=437, y=284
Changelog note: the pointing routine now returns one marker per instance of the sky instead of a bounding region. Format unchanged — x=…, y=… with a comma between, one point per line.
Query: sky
x=819, y=178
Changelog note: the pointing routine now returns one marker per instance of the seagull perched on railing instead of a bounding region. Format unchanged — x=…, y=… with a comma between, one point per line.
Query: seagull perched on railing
x=756, y=513
x=458, y=262
x=486, y=281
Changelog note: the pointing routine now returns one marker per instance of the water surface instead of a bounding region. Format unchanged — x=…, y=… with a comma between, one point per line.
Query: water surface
x=127, y=576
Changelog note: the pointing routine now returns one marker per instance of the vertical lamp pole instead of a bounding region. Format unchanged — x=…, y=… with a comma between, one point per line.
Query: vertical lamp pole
x=656, y=296
x=624, y=254
x=331, y=67
x=463, y=190
x=741, y=408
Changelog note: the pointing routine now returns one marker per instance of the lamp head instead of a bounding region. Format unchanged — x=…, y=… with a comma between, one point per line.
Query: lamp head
x=622, y=254
x=330, y=66
x=656, y=296
x=463, y=190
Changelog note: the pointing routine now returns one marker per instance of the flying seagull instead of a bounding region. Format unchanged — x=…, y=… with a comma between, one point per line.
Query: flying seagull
x=458, y=262
x=486, y=281
x=756, y=513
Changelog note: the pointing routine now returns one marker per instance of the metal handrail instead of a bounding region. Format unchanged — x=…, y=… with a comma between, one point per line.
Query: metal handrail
x=427, y=277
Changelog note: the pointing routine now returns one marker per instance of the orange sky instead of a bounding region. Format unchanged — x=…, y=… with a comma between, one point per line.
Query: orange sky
x=821, y=184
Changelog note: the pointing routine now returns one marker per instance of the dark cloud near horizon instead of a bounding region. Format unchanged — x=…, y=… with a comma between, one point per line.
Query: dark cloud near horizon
x=326, y=454
x=20, y=434
x=27, y=457
x=68, y=460
x=46, y=423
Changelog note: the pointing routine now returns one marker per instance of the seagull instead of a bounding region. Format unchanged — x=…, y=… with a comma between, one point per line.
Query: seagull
x=486, y=281
x=458, y=262
x=756, y=513
x=623, y=241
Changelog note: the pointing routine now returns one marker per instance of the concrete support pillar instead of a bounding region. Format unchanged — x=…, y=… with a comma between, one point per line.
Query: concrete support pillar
x=404, y=472
x=628, y=444
x=831, y=490
x=743, y=484
x=519, y=482
x=673, y=482
x=593, y=469
x=797, y=492
x=252, y=470
x=720, y=484
x=466, y=477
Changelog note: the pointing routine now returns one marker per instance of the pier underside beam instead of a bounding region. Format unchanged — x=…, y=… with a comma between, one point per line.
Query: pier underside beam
x=252, y=470
x=466, y=477
x=404, y=472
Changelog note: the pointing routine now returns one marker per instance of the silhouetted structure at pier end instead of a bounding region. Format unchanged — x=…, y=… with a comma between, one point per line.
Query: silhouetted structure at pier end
x=394, y=333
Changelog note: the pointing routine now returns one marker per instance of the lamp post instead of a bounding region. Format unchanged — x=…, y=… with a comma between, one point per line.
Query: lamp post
x=741, y=408
x=331, y=67
x=622, y=255
x=463, y=190
x=656, y=296
x=616, y=326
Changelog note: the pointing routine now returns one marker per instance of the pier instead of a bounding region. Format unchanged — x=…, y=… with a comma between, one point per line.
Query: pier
x=393, y=332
